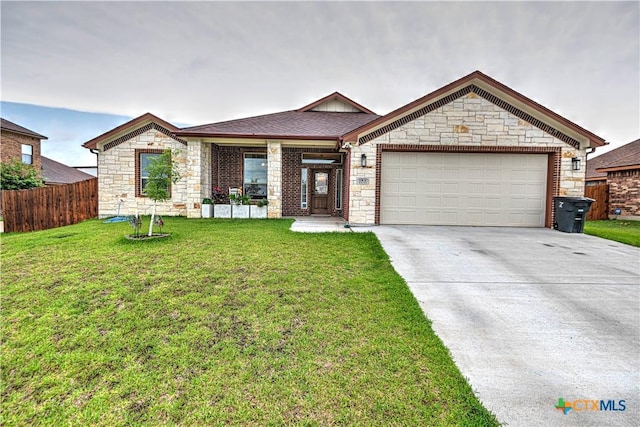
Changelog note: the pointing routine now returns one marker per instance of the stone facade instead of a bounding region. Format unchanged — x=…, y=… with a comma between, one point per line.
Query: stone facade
x=624, y=194
x=12, y=147
x=117, y=177
x=274, y=179
x=197, y=176
x=469, y=121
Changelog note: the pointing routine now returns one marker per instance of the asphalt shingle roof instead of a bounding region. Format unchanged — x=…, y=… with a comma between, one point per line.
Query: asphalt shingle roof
x=58, y=173
x=626, y=155
x=309, y=124
x=6, y=124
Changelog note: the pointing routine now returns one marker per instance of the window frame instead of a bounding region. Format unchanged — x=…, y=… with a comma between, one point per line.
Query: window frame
x=138, y=169
x=245, y=184
x=29, y=155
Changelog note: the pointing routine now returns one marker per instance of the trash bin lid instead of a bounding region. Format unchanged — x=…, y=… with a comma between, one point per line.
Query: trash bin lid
x=574, y=199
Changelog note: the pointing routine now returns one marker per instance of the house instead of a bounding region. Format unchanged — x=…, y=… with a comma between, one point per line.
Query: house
x=18, y=142
x=473, y=152
x=56, y=173
x=620, y=169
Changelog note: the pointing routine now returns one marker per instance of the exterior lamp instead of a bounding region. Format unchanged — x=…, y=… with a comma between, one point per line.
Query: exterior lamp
x=363, y=160
x=575, y=163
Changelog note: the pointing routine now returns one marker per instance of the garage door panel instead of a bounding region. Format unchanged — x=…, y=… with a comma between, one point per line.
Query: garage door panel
x=463, y=189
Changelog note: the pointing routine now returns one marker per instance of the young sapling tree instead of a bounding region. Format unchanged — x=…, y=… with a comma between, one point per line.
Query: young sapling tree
x=162, y=171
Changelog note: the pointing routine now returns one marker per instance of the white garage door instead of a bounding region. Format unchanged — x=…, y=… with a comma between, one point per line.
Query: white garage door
x=481, y=189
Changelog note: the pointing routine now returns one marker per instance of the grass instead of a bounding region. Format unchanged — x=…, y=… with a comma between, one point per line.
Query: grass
x=618, y=230
x=226, y=322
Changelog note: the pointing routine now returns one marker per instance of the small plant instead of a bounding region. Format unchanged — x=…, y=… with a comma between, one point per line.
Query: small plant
x=162, y=172
x=239, y=199
x=262, y=203
x=218, y=196
x=159, y=223
x=207, y=201
x=135, y=222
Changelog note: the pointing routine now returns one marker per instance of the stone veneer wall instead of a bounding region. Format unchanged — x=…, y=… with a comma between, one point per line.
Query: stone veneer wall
x=116, y=177
x=198, y=176
x=624, y=194
x=11, y=148
x=274, y=179
x=469, y=121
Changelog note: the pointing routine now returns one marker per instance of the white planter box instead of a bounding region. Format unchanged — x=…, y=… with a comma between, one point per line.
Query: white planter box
x=257, y=211
x=239, y=211
x=206, y=211
x=222, y=211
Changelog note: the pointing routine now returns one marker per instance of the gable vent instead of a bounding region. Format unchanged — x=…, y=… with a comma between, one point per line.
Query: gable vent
x=140, y=131
x=460, y=93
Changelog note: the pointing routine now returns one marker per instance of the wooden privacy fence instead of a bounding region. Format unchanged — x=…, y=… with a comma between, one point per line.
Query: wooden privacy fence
x=599, y=208
x=49, y=207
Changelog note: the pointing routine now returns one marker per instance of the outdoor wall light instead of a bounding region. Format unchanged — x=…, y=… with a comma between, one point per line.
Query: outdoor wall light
x=363, y=160
x=575, y=163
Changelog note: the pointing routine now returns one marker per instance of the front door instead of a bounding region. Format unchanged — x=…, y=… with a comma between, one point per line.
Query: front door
x=320, y=193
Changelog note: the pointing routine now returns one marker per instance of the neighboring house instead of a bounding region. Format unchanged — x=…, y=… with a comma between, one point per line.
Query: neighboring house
x=55, y=173
x=474, y=152
x=620, y=169
x=21, y=143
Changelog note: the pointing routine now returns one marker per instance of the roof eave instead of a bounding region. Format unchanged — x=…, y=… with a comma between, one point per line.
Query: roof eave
x=255, y=136
x=618, y=168
x=32, y=135
x=123, y=128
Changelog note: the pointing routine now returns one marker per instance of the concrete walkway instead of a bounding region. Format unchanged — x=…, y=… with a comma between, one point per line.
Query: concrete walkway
x=323, y=224
x=531, y=316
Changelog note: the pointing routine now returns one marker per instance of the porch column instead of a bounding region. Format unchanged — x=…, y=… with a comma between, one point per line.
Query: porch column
x=274, y=179
x=198, y=176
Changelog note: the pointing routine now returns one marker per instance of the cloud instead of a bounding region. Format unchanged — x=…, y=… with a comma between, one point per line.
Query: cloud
x=201, y=62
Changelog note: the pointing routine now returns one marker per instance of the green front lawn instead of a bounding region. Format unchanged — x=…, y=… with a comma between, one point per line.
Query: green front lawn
x=621, y=231
x=226, y=322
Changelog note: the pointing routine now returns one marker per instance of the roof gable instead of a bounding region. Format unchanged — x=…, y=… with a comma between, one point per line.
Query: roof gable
x=12, y=127
x=336, y=102
x=133, y=128
x=494, y=92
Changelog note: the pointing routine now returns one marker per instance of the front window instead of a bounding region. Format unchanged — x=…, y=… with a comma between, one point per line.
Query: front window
x=27, y=154
x=255, y=175
x=145, y=160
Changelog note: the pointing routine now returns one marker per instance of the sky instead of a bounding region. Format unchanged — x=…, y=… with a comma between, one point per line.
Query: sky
x=74, y=70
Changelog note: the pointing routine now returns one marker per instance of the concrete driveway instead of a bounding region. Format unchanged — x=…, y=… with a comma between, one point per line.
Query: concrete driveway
x=531, y=316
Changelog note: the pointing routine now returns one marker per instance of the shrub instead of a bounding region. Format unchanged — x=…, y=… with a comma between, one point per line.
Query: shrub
x=16, y=175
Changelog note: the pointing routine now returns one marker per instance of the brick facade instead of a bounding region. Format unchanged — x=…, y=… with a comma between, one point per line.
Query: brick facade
x=292, y=182
x=469, y=123
x=12, y=147
x=624, y=193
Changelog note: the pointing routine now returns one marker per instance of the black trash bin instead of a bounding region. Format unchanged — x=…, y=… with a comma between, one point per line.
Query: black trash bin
x=571, y=213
